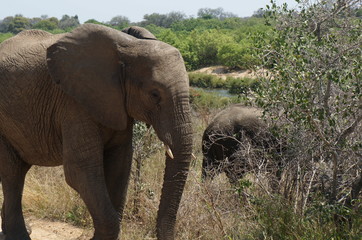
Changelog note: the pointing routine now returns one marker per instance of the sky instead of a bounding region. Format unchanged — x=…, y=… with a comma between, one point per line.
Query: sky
x=134, y=10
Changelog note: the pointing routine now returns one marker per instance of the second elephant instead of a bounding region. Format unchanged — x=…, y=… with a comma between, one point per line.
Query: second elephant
x=224, y=137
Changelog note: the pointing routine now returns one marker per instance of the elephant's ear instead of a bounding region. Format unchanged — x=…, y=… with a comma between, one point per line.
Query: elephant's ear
x=139, y=32
x=86, y=65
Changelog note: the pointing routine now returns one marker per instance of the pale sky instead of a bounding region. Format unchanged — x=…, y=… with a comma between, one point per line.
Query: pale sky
x=134, y=10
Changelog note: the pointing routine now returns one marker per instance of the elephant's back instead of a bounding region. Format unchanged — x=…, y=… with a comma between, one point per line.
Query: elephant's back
x=237, y=115
x=28, y=95
x=248, y=117
x=23, y=67
x=25, y=51
x=25, y=40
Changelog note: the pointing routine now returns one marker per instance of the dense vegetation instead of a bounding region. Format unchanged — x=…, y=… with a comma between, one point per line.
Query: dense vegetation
x=314, y=54
x=311, y=94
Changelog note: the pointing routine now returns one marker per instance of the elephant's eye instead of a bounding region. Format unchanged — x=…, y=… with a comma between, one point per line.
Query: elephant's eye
x=155, y=95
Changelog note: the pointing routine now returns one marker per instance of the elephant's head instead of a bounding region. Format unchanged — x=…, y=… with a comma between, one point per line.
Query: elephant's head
x=116, y=77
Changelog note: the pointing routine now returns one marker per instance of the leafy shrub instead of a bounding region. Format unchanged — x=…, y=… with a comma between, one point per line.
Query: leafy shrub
x=315, y=92
x=204, y=80
x=4, y=36
x=242, y=85
x=236, y=86
x=237, y=55
x=200, y=99
x=201, y=48
x=47, y=24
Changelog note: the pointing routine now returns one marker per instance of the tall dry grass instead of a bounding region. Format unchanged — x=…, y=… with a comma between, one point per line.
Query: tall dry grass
x=207, y=211
x=47, y=195
x=210, y=210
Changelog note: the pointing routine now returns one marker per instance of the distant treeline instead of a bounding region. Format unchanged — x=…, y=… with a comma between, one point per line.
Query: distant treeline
x=213, y=37
x=17, y=23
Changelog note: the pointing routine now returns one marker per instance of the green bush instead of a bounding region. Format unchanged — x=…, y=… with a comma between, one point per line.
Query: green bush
x=202, y=100
x=4, y=36
x=204, y=80
x=315, y=93
x=47, y=24
x=237, y=55
x=201, y=48
x=242, y=85
x=234, y=85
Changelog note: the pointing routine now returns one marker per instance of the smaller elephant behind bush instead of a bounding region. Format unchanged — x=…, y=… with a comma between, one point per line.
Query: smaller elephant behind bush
x=237, y=140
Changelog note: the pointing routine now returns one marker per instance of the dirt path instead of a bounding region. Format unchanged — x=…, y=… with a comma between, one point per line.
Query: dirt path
x=48, y=230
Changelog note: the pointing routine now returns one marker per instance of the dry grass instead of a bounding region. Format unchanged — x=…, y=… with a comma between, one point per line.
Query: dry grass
x=208, y=211
x=46, y=195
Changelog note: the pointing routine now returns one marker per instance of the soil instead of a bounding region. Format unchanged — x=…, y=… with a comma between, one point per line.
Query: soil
x=48, y=230
x=224, y=72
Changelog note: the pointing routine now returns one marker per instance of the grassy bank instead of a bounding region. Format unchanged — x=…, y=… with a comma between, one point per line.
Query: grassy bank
x=234, y=85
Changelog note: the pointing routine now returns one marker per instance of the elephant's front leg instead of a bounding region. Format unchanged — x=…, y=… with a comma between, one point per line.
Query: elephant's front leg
x=117, y=168
x=83, y=168
x=12, y=172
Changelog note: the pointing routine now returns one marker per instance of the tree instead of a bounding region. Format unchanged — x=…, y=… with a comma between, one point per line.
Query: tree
x=196, y=24
x=67, y=22
x=33, y=21
x=18, y=24
x=218, y=13
x=47, y=24
x=154, y=18
x=259, y=13
x=174, y=17
x=163, y=20
x=236, y=55
x=93, y=21
x=4, y=24
x=314, y=56
x=119, y=21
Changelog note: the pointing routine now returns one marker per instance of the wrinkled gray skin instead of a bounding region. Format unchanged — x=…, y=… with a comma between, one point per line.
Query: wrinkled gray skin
x=70, y=100
x=222, y=138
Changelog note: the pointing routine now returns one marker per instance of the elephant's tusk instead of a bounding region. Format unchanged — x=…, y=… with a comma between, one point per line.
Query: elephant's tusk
x=169, y=152
x=193, y=156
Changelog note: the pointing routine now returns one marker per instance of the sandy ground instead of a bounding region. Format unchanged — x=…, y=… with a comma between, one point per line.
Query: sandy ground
x=223, y=72
x=49, y=230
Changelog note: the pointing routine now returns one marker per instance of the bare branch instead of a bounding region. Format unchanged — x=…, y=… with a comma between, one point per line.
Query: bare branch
x=348, y=130
x=327, y=95
x=317, y=128
x=309, y=188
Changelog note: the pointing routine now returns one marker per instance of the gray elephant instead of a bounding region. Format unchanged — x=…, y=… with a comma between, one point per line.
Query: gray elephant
x=224, y=137
x=71, y=100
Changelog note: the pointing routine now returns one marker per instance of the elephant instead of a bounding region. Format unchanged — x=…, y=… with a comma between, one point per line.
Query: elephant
x=224, y=137
x=71, y=99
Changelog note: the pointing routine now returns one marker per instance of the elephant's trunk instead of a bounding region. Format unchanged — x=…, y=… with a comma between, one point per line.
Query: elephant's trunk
x=175, y=173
